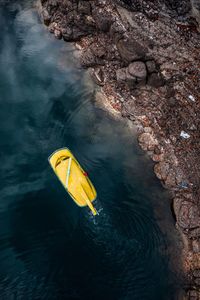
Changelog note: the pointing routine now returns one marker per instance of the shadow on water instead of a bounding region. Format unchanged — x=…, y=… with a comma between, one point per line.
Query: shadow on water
x=50, y=248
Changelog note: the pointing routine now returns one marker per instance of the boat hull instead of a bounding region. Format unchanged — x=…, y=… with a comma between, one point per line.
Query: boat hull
x=73, y=177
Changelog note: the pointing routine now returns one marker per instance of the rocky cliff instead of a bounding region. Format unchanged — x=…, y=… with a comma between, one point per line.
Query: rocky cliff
x=145, y=57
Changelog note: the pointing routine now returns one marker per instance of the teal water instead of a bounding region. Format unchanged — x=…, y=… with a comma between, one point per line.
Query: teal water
x=50, y=248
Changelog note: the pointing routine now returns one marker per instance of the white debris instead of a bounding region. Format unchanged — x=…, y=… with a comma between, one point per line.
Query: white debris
x=191, y=98
x=184, y=135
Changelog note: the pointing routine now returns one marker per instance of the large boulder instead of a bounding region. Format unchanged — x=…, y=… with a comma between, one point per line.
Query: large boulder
x=130, y=50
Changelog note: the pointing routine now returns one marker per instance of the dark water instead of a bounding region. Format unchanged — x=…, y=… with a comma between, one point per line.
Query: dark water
x=50, y=248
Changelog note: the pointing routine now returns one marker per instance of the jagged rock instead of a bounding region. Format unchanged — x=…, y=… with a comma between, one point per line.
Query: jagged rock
x=130, y=50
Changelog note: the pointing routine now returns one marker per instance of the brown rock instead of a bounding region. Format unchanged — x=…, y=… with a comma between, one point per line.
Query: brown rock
x=162, y=170
x=188, y=215
x=138, y=70
x=147, y=141
x=67, y=34
x=130, y=50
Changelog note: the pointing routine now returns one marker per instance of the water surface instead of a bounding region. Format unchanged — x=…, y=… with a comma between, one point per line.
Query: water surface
x=50, y=248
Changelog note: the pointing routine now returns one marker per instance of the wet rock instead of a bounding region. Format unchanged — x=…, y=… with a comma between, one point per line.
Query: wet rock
x=162, y=170
x=58, y=34
x=130, y=50
x=46, y=16
x=147, y=141
x=67, y=34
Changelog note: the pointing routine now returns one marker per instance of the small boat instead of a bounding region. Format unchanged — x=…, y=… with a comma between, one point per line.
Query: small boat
x=74, y=179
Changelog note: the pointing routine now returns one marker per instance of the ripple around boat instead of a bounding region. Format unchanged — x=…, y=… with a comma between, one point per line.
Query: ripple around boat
x=49, y=247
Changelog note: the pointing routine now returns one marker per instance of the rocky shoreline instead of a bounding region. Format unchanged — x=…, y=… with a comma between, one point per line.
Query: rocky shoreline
x=145, y=59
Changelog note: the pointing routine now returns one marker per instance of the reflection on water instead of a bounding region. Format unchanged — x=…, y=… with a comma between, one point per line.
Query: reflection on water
x=49, y=248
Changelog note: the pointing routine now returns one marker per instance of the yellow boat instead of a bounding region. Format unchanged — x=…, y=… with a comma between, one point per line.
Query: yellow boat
x=73, y=178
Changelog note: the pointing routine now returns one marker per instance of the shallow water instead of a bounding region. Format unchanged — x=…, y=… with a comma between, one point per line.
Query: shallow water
x=50, y=248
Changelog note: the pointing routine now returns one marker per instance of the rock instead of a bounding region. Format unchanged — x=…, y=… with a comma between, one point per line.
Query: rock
x=188, y=215
x=155, y=80
x=121, y=75
x=193, y=295
x=147, y=141
x=58, y=34
x=196, y=10
x=162, y=170
x=102, y=21
x=151, y=66
x=138, y=70
x=46, y=16
x=130, y=80
x=89, y=59
x=130, y=50
x=67, y=34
